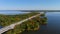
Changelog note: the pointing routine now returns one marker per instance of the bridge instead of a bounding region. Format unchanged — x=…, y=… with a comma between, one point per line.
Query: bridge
x=4, y=29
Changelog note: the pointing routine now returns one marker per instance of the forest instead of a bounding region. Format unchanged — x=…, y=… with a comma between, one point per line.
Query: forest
x=32, y=24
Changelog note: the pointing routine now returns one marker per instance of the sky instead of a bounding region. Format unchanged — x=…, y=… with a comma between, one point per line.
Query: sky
x=29, y=4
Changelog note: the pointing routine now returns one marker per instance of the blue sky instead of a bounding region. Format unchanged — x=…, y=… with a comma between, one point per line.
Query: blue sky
x=29, y=4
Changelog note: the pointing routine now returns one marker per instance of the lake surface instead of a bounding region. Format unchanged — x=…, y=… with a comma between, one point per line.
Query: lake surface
x=52, y=27
x=11, y=12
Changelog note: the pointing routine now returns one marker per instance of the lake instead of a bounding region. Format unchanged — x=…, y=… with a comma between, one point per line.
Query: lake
x=11, y=12
x=52, y=27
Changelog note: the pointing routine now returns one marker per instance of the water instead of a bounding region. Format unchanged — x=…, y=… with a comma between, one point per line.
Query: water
x=53, y=22
x=11, y=12
x=1, y=27
x=53, y=26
